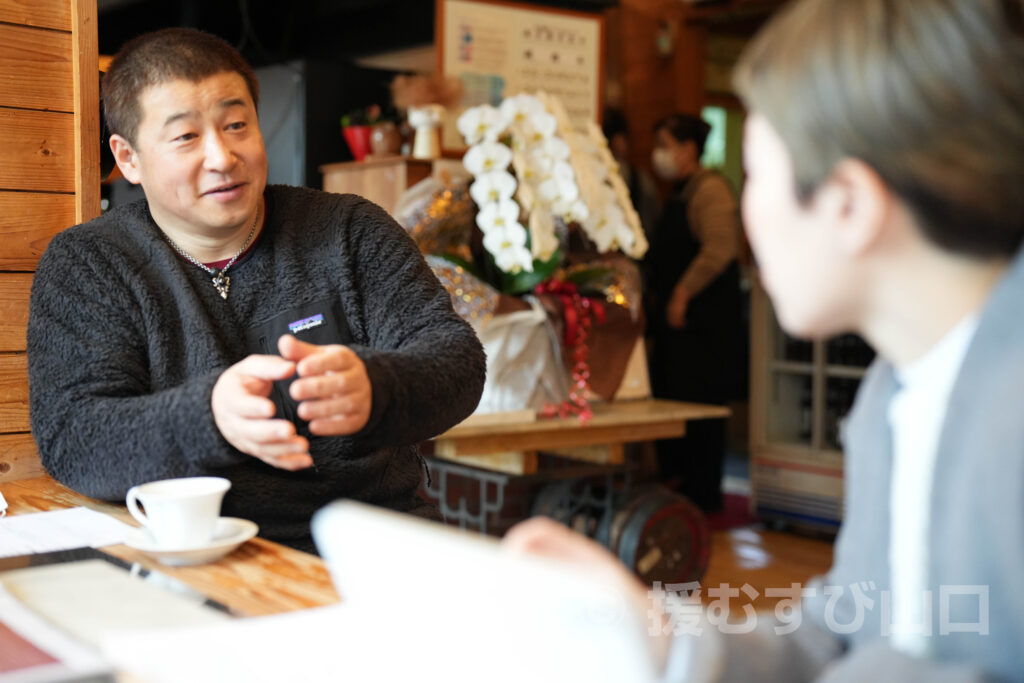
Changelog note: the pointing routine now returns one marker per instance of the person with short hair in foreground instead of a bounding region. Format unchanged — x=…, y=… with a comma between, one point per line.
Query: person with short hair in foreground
x=884, y=154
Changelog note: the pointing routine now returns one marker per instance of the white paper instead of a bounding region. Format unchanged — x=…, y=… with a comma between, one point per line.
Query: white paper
x=360, y=643
x=486, y=613
x=92, y=598
x=311, y=645
x=44, y=532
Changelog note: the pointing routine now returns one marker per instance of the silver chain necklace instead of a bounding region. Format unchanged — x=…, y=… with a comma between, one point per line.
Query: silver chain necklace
x=220, y=281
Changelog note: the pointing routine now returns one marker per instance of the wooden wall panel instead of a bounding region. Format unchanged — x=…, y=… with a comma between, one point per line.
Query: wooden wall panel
x=14, y=295
x=49, y=176
x=19, y=458
x=36, y=67
x=48, y=14
x=38, y=151
x=13, y=393
x=27, y=222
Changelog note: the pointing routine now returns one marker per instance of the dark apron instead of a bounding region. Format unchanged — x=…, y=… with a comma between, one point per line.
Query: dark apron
x=700, y=361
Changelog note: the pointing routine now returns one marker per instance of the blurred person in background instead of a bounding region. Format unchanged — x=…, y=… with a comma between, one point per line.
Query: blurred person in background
x=695, y=304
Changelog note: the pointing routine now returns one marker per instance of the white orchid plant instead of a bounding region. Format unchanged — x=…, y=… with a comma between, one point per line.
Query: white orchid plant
x=563, y=175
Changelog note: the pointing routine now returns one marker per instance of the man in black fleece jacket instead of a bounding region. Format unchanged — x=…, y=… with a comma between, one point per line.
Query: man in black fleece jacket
x=290, y=340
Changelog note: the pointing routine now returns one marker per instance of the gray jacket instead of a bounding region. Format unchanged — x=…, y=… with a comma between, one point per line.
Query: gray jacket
x=976, y=533
x=126, y=340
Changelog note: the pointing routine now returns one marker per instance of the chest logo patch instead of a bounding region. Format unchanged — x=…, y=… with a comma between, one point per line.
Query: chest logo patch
x=306, y=323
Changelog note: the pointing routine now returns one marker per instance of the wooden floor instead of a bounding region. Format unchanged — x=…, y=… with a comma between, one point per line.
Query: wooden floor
x=761, y=558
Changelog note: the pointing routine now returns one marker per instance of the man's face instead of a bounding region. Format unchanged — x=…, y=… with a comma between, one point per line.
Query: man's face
x=198, y=155
x=802, y=263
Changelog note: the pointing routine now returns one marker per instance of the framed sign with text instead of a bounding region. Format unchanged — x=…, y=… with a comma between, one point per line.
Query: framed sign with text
x=501, y=48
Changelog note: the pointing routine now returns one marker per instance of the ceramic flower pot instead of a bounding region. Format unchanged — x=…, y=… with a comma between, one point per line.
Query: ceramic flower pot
x=385, y=140
x=358, y=139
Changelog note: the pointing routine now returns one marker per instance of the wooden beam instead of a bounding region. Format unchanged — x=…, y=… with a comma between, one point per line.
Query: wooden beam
x=733, y=10
x=614, y=454
x=85, y=55
x=509, y=462
x=689, y=63
x=596, y=436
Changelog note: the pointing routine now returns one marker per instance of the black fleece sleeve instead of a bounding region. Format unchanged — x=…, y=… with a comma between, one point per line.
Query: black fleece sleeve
x=99, y=427
x=425, y=363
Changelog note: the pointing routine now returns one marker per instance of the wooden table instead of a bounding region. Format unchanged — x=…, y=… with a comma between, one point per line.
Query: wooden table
x=510, y=445
x=498, y=448
x=262, y=577
x=382, y=181
x=259, y=578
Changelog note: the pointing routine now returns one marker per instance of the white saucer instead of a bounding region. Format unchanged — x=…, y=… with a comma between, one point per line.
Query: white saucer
x=230, y=533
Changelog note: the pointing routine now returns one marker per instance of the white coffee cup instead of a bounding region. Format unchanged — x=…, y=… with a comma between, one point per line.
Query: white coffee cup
x=180, y=513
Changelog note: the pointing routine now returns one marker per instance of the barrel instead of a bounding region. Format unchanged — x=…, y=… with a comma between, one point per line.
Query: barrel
x=661, y=536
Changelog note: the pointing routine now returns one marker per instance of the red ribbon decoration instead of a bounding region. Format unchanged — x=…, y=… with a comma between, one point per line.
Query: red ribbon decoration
x=579, y=313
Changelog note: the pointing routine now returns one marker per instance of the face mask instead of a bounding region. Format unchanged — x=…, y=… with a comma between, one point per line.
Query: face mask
x=664, y=164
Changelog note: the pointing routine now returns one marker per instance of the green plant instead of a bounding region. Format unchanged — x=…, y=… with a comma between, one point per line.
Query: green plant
x=368, y=116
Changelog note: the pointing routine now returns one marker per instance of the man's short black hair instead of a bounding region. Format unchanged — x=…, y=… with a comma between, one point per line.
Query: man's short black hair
x=159, y=57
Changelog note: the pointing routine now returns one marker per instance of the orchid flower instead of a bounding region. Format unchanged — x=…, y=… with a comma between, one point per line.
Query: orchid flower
x=557, y=189
x=486, y=157
x=497, y=215
x=541, y=165
x=563, y=173
x=519, y=108
x=481, y=124
x=607, y=227
x=578, y=211
x=492, y=187
x=508, y=246
x=538, y=128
